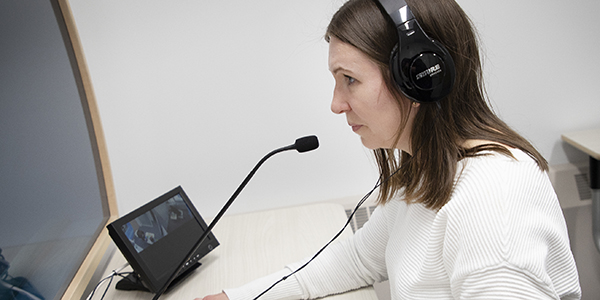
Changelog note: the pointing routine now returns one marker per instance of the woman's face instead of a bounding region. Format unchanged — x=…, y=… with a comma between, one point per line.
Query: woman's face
x=360, y=93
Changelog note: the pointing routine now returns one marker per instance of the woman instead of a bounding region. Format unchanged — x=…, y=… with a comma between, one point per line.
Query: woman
x=466, y=209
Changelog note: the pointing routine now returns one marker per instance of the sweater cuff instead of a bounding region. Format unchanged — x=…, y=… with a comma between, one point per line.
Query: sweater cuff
x=288, y=289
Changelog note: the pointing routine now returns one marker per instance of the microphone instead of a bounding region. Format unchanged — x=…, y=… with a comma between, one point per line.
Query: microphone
x=307, y=143
x=303, y=144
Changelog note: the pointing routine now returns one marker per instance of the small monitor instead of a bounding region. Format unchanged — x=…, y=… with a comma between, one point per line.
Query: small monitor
x=157, y=237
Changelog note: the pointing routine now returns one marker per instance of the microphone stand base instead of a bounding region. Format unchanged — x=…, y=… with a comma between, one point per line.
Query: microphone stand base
x=132, y=282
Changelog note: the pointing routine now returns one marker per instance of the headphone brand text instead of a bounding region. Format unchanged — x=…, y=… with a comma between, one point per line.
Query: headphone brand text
x=429, y=72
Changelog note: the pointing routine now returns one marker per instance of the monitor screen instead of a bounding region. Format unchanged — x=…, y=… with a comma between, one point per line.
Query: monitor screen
x=155, y=224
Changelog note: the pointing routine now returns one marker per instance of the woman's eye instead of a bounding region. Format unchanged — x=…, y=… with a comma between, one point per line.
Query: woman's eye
x=350, y=79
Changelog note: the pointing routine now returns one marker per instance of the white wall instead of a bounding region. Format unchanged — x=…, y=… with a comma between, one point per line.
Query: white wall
x=194, y=93
x=541, y=69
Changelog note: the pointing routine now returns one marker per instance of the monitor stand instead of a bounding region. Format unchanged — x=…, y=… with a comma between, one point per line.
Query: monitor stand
x=132, y=282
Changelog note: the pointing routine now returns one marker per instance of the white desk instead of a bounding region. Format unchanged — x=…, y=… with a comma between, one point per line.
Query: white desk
x=588, y=141
x=254, y=245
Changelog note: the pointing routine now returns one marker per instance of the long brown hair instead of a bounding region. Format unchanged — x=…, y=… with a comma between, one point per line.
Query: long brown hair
x=439, y=130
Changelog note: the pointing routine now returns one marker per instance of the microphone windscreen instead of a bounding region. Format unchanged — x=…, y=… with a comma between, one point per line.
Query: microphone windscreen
x=306, y=143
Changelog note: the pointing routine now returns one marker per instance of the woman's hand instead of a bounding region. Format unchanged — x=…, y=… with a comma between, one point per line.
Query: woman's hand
x=220, y=296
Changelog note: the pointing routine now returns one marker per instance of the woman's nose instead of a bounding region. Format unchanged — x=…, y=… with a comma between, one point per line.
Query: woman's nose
x=338, y=104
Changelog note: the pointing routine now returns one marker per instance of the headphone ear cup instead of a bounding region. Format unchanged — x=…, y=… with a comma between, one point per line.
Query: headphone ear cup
x=427, y=77
x=421, y=67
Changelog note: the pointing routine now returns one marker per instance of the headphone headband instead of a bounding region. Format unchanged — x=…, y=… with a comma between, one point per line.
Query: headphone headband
x=397, y=10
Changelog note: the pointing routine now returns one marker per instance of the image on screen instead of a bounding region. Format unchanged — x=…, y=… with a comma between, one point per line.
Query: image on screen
x=155, y=224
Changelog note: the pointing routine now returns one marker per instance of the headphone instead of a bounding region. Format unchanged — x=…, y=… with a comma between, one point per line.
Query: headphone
x=421, y=67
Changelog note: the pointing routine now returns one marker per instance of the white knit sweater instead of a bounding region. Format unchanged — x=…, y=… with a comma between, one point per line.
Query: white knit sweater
x=501, y=236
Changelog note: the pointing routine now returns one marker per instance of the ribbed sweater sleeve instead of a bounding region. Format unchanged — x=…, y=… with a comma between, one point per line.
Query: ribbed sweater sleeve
x=349, y=264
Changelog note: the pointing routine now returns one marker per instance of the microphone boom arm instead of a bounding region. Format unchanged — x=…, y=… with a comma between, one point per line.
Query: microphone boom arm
x=302, y=145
